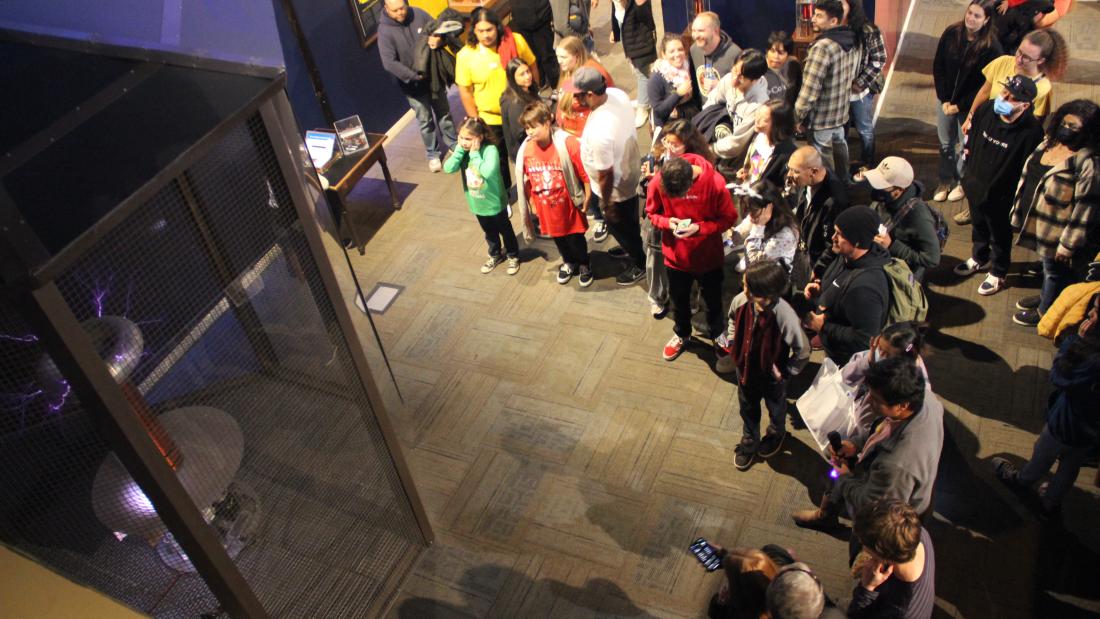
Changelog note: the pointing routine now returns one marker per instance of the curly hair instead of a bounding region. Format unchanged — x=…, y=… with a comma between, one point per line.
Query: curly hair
x=1053, y=49
x=889, y=528
x=1088, y=112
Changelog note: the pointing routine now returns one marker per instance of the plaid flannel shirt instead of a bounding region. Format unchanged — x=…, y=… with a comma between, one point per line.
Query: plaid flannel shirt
x=1065, y=206
x=826, y=85
x=873, y=61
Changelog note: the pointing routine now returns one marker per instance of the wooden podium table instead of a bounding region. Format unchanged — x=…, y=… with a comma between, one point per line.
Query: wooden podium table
x=345, y=172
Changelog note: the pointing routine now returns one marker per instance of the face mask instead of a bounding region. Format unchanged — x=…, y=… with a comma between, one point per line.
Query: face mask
x=881, y=195
x=876, y=356
x=1065, y=135
x=1002, y=107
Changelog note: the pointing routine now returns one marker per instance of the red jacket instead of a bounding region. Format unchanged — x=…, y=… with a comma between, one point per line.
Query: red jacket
x=708, y=204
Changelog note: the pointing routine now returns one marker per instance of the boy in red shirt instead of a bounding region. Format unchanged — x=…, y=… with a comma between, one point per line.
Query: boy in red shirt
x=688, y=201
x=553, y=181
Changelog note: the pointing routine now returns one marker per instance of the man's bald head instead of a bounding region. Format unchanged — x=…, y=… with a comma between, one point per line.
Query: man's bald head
x=805, y=167
x=396, y=9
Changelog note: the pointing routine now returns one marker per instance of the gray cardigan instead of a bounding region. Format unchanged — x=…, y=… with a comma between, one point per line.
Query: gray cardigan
x=903, y=466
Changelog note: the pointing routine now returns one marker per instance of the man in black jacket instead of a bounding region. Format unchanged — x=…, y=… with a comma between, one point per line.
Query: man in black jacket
x=910, y=225
x=853, y=295
x=1003, y=133
x=398, y=31
x=534, y=19
x=632, y=23
x=818, y=197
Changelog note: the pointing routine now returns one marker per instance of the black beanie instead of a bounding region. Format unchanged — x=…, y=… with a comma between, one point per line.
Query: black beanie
x=858, y=224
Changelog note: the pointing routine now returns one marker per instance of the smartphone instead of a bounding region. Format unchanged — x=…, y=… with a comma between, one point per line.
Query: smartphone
x=706, y=554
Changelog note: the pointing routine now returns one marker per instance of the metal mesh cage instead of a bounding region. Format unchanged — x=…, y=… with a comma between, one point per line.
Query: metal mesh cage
x=212, y=317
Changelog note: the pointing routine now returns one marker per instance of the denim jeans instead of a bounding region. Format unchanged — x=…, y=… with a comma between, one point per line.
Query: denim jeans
x=949, y=130
x=861, y=112
x=642, y=77
x=832, y=144
x=424, y=106
x=1056, y=276
x=1048, y=449
x=774, y=394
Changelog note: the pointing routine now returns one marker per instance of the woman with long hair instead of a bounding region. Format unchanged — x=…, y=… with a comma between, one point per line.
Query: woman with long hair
x=772, y=145
x=521, y=91
x=571, y=113
x=743, y=595
x=964, y=48
x=770, y=230
x=670, y=90
x=1057, y=201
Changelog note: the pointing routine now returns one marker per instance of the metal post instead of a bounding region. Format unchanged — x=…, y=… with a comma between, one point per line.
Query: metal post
x=68, y=344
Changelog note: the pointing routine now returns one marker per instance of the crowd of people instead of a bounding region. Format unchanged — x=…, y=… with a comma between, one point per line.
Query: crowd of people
x=726, y=182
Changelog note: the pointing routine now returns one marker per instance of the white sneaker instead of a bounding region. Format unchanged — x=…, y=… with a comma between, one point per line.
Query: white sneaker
x=991, y=285
x=941, y=193
x=641, y=116
x=434, y=165
x=956, y=193
x=970, y=267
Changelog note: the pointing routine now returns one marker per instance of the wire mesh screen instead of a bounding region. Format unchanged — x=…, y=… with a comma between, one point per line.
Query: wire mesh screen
x=211, y=315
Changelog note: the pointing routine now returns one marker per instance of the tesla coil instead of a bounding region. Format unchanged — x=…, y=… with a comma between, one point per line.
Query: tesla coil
x=188, y=423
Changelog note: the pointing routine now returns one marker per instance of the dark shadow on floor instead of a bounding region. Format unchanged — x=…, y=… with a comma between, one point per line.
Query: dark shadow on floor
x=598, y=595
x=369, y=205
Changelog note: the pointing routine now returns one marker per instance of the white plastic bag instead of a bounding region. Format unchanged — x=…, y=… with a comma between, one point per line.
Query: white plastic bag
x=828, y=405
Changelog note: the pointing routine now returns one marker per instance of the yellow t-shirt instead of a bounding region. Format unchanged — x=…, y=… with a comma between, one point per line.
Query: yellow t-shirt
x=479, y=68
x=1001, y=69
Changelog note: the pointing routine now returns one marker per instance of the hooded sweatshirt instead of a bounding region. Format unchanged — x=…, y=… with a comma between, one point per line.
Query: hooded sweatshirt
x=397, y=47
x=856, y=298
x=914, y=237
x=996, y=152
x=715, y=64
x=706, y=203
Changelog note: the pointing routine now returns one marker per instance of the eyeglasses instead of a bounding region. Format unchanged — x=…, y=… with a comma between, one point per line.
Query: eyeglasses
x=1024, y=57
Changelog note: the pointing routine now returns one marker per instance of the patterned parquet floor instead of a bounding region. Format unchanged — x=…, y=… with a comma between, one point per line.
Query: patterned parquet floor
x=565, y=466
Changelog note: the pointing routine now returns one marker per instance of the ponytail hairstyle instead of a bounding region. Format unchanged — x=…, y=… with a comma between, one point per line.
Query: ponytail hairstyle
x=1054, y=51
x=477, y=126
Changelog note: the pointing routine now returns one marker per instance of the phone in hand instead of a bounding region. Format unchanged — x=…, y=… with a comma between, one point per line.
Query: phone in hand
x=706, y=554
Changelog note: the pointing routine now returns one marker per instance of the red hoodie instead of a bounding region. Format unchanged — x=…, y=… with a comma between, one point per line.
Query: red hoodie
x=708, y=204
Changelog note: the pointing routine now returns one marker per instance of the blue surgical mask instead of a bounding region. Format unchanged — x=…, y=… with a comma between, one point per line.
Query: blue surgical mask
x=1002, y=107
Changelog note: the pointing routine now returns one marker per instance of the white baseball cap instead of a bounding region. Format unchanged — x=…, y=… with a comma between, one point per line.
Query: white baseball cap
x=891, y=172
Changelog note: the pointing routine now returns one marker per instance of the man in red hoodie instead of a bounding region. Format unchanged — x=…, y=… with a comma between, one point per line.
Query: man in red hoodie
x=689, y=203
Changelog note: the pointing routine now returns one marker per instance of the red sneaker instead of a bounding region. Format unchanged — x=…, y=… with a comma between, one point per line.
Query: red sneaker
x=673, y=348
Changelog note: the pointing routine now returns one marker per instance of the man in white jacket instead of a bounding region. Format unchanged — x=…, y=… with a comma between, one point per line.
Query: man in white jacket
x=742, y=90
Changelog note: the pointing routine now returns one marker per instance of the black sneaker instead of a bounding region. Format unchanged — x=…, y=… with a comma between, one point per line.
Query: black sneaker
x=743, y=454
x=1006, y=472
x=770, y=444
x=630, y=276
x=1029, y=303
x=565, y=273
x=1027, y=318
x=599, y=232
x=617, y=252
x=585, y=278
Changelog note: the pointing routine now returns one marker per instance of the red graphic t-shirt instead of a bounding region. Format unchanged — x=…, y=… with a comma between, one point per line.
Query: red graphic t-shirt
x=547, y=191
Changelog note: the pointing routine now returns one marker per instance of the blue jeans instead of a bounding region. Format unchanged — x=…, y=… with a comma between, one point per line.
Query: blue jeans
x=861, y=112
x=1048, y=449
x=424, y=106
x=642, y=77
x=832, y=143
x=1056, y=276
x=949, y=130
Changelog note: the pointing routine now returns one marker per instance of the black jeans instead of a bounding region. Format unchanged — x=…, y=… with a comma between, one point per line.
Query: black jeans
x=991, y=233
x=774, y=395
x=627, y=230
x=679, y=289
x=499, y=227
x=573, y=249
x=541, y=42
